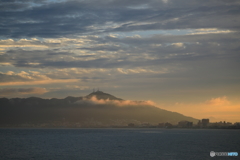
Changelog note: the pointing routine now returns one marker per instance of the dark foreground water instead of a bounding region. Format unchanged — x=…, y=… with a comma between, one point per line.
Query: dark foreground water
x=115, y=144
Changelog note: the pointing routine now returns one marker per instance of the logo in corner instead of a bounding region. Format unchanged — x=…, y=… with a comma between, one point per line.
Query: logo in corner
x=212, y=154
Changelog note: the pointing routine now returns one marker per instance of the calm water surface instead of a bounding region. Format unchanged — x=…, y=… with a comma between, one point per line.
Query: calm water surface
x=116, y=144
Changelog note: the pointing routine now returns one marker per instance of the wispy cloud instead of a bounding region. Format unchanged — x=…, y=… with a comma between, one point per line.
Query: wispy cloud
x=64, y=18
x=25, y=78
x=22, y=91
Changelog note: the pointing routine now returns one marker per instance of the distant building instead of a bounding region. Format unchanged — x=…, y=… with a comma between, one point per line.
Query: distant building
x=131, y=125
x=145, y=124
x=237, y=124
x=205, y=122
x=161, y=125
x=168, y=125
x=221, y=124
x=185, y=124
x=199, y=124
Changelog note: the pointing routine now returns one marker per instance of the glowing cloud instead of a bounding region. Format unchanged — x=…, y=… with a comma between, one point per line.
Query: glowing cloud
x=178, y=44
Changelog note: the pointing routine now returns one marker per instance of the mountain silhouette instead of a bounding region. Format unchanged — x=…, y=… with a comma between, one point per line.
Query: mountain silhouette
x=103, y=111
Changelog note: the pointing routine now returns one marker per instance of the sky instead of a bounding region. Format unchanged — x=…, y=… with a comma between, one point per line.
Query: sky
x=182, y=55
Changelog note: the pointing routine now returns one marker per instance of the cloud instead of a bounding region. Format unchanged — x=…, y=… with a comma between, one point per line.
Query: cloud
x=41, y=82
x=22, y=76
x=165, y=1
x=33, y=78
x=71, y=18
x=218, y=101
x=21, y=91
x=22, y=43
x=209, y=31
x=178, y=44
x=120, y=52
x=118, y=103
x=139, y=60
x=139, y=71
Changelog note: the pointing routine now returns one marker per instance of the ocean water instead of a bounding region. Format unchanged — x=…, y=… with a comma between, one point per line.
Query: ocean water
x=116, y=144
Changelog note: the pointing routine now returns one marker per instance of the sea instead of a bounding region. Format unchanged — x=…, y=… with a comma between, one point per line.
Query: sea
x=117, y=144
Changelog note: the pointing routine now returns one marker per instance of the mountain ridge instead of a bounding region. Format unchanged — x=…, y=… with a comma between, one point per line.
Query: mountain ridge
x=105, y=110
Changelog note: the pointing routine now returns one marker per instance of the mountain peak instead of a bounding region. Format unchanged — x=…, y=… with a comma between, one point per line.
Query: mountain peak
x=101, y=95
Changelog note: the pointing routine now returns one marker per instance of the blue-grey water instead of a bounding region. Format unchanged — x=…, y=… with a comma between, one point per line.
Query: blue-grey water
x=116, y=144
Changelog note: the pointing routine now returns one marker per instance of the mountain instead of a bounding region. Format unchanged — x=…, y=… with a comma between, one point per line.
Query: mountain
x=103, y=111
